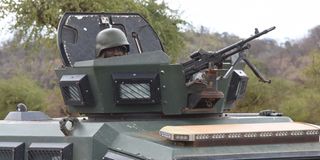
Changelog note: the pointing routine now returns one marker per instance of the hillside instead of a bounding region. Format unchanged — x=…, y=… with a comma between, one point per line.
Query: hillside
x=293, y=67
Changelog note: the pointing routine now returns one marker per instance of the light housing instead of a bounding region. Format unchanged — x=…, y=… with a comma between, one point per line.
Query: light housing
x=76, y=90
x=11, y=150
x=237, y=134
x=41, y=151
x=136, y=88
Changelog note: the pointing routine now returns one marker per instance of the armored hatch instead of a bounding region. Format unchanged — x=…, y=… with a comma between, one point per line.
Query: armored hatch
x=77, y=34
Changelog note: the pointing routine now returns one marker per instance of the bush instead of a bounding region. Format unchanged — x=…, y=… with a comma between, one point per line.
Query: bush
x=21, y=89
x=298, y=101
x=260, y=96
x=303, y=105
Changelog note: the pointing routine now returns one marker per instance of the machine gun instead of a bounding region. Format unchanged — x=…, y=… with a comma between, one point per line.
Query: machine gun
x=201, y=59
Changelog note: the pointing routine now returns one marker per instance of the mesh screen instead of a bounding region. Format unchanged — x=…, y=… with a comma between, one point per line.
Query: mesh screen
x=72, y=93
x=6, y=154
x=45, y=155
x=135, y=91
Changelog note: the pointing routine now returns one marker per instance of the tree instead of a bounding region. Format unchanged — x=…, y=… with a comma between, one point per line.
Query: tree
x=312, y=71
x=36, y=19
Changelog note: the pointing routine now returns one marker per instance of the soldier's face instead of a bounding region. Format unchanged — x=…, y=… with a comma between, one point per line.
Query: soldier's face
x=112, y=52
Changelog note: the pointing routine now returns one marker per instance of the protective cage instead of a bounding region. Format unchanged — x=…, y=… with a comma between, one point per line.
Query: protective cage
x=76, y=90
x=11, y=151
x=136, y=88
x=50, y=151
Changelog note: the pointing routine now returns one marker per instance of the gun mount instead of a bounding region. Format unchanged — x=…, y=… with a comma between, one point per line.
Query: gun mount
x=201, y=59
x=140, y=106
x=208, y=95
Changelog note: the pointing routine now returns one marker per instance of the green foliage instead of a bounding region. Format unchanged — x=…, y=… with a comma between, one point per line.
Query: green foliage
x=36, y=60
x=302, y=105
x=36, y=19
x=300, y=102
x=20, y=89
x=313, y=70
x=166, y=26
x=260, y=96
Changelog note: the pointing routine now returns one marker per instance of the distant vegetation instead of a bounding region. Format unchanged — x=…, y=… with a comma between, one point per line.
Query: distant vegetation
x=29, y=59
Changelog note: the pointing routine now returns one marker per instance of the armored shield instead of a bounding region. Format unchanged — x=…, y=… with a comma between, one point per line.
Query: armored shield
x=77, y=34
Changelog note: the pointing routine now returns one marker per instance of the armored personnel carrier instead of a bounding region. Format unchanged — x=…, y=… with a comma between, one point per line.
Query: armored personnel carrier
x=139, y=106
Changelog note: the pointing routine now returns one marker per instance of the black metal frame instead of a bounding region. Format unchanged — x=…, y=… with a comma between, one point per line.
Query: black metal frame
x=12, y=150
x=81, y=83
x=152, y=79
x=46, y=150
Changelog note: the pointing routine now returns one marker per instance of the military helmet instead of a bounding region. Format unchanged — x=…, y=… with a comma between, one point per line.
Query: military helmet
x=109, y=38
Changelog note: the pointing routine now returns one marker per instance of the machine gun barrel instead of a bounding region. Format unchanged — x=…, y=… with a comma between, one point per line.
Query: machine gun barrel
x=200, y=60
x=242, y=42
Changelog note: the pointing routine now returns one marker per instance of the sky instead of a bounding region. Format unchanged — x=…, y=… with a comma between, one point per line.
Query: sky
x=292, y=18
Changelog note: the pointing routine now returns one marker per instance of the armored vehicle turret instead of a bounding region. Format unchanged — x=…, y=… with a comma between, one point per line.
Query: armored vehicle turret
x=135, y=104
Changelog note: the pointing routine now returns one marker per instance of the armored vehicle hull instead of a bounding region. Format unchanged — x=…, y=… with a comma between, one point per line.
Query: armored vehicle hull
x=140, y=139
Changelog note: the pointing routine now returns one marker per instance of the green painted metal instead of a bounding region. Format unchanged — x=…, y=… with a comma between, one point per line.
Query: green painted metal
x=100, y=71
x=138, y=138
x=174, y=92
